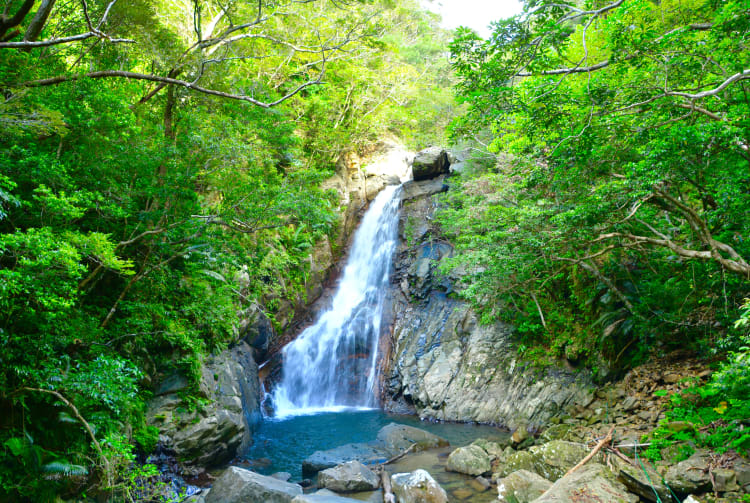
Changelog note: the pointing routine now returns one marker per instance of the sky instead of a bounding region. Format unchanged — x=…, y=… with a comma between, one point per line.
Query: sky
x=475, y=14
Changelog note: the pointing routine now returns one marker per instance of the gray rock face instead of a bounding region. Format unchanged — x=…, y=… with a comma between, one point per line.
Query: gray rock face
x=551, y=460
x=471, y=460
x=521, y=486
x=445, y=365
x=592, y=483
x=417, y=487
x=213, y=435
x=691, y=475
x=237, y=485
x=429, y=163
x=351, y=476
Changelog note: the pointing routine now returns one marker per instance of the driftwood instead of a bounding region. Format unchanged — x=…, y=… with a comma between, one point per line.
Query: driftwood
x=606, y=440
x=385, y=482
x=399, y=456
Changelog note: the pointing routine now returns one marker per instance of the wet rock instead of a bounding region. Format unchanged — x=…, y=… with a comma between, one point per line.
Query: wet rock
x=368, y=453
x=352, y=476
x=417, y=487
x=396, y=438
x=521, y=486
x=429, y=163
x=237, y=485
x=471, y=460
x=323, y=496
x=690, y=476
x=590, y=483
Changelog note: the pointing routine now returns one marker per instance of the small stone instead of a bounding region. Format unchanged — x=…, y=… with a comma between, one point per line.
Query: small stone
x=462, y=493
x=726, y=480
x=520, y=435
x=483, y=482
x=629, y=403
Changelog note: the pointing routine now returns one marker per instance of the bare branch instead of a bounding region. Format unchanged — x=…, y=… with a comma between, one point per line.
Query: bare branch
x=167, y=80
x=27, y=44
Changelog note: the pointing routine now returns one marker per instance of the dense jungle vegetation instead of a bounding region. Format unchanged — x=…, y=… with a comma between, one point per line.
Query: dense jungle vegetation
x=605, y=209
x=160, y=167
x=159, y=174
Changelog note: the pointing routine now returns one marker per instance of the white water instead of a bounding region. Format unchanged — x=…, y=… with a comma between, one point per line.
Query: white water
x=332, y=365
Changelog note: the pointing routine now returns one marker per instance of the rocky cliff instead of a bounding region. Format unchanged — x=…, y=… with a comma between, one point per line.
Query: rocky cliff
x=443, y=363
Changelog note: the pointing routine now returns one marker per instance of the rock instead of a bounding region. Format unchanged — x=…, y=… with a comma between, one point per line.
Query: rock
x=458, y=167
x=323, y=496
x=285, y=476
x=553, y=459
x=413, y=189
x=629, y=403
x=486, y=484
x=452, y=368
x=521, y=486
x=391, y=440
x=368, y=453
x=352, y=476
x=640, y=483
x=520, y=434
x=237, y=485
x=495, y=450
x=592, y=483
x=213, y=435
x=471, y=460
x=521, y=460
x=691, y=475
x=555, y=432
x=396, y=438
x=726, y=480
x=417, y=487
x=429, y=163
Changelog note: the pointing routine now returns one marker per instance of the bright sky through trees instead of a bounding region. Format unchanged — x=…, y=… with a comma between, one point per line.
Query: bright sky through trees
x=476, y=14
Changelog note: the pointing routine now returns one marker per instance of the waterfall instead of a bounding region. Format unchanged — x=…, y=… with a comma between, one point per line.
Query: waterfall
x=333, y=364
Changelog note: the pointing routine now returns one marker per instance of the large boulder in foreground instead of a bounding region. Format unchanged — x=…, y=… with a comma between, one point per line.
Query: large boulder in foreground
x=237, y=485
x=592, y=483
x=351, y=476
x=417, y=487
x=429, y=163
x=323, y=496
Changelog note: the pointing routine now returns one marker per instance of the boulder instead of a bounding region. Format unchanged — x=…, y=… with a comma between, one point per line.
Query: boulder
x=495, y=450
x=417, y=487
x=352, y=476
x=213, y=435
x=471, y=460
x=237, y=485
x=413, y=189
x=367, y=453
x=391, y=440
x=592, y=483
x=691, y=475
x=429, y=163
x=396, y=438
x=521, y=486
x=323, y=496
x=642, y=483
x=521, y=460
x=553, y=459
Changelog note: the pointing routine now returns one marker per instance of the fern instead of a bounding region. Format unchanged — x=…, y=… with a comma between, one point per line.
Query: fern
x=62, y=468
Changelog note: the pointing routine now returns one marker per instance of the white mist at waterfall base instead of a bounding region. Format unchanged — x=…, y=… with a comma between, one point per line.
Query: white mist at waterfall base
x=332, y=365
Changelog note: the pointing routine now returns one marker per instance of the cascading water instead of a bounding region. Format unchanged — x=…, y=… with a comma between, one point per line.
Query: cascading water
x=333, y=364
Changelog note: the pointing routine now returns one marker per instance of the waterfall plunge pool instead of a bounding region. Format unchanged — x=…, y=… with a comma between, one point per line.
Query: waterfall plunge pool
x=280, y=445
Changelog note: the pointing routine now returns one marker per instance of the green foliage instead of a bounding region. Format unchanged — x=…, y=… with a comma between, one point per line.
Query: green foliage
x=138, y=220
x=612, y=222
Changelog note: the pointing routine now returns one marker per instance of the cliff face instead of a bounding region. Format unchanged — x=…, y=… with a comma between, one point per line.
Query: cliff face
x=445, y=365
